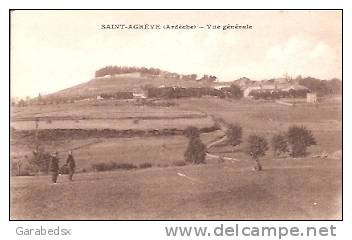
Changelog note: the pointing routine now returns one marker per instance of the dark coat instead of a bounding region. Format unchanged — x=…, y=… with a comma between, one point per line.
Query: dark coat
x=54, y=164
x=70, y=162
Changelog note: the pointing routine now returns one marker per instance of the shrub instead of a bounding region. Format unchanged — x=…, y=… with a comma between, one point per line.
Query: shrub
x=299, y=139
x=195, y=152
x=191, y=132
x=20, y=168
x=234, y=134
x=236, y=91
x=40, y=160
x=145, y=165
x=256, y=147
x=279, y=144
x=100, y=167
x=179, y=163
x=124, y=166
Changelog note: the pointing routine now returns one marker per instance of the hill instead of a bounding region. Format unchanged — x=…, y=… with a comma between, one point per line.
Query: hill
x=129, y=82
x=124, y=81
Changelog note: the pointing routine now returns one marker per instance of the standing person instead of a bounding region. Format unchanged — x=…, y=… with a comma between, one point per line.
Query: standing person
x=54, y=167
x=70, y=163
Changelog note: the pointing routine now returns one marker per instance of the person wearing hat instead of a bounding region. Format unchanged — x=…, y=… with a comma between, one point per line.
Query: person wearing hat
x=71, y=165
x=54, y=166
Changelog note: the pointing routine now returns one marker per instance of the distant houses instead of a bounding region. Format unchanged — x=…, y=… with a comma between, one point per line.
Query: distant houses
x=222, y=86
x=271, y=88
x=277, y=89
x=139, y=95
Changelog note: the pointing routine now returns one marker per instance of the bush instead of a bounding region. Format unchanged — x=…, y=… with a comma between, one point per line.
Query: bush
x=256, y=147
x=100, y=167
x=191, y=132
x=279, y=144
x=179, y=163
x=124, y=166
x=20, y=168
x=300, y=139
x=195, y=152
x=40, y=161
x=236, y=91
x=234, y=134
x=145, y=165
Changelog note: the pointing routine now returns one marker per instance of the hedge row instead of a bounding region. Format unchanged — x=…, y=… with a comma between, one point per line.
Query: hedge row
x=50, y=134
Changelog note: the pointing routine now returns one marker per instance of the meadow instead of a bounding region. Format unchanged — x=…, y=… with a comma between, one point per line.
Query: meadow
x=299, y=189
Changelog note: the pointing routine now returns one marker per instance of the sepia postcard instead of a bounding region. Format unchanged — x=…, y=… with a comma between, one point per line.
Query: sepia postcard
x=175, y=115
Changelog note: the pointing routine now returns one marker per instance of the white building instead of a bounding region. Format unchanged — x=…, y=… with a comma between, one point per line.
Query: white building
x=139, y=96
x=312, y=98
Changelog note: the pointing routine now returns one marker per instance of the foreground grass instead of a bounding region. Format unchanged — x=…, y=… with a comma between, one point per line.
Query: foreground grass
x=286, y=189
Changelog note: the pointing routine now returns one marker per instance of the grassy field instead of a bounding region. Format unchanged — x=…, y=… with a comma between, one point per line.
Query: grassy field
x=118, y=124
x=286, y=189
x=106, y=114
x=307, y=188
x=267, y=118
x=106, y=109
x=158, y=151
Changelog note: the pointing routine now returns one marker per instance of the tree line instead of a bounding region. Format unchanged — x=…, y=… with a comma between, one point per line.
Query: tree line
x=321, y=87
x=294, y=142
x=112, y=70
x=181, y=92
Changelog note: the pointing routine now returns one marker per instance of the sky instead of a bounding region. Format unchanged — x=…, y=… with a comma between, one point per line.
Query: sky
x=53, y=50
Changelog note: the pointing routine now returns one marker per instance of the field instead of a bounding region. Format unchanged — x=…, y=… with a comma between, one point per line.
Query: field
x=267, y=118
x=298, y=189
x=305, y=188
x=106, y=114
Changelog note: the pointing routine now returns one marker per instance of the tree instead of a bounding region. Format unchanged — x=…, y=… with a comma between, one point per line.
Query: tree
x=256, y=147
x=40, y=160
x=236, y=91
x=279, y=144
x=300, y=139
x=193, y=76
x=21, y=103
x=146, y=87
x=191, y=132
x=234, y=134
x=16, y=165
x=195, y=152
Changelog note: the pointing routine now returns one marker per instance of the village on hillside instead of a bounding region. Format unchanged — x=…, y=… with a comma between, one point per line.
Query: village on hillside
x=163, y=84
